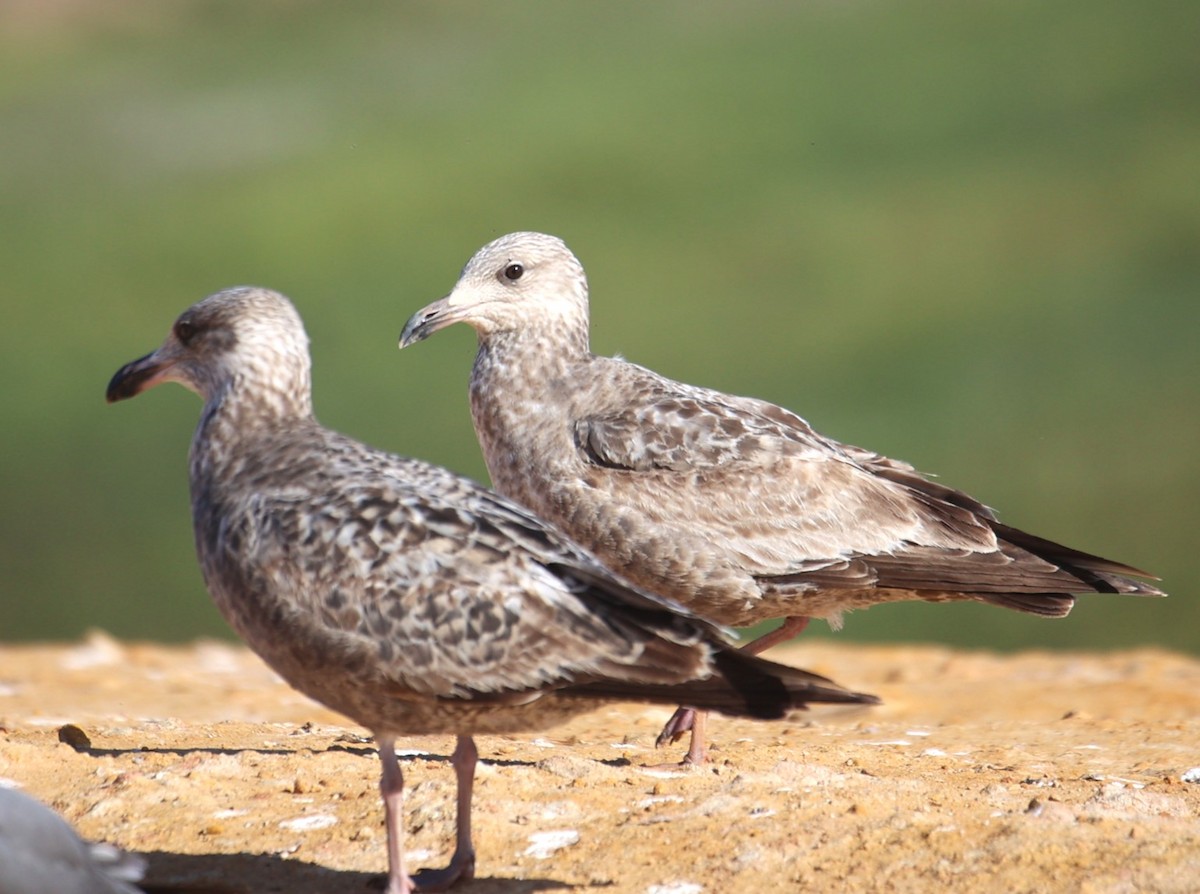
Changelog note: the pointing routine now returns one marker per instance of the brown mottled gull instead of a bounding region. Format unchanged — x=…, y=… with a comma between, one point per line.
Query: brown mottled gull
x=402, y=595
x=40, y=853
x=733, y=506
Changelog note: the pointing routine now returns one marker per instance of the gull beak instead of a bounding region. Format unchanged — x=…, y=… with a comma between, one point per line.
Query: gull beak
x=431, y=318
x=136, y=376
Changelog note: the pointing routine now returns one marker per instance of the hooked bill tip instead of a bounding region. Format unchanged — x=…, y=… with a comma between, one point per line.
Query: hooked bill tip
x=130, y=379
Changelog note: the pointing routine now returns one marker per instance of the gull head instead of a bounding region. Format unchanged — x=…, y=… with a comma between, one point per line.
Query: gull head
x=519, y=282
x=244, y=336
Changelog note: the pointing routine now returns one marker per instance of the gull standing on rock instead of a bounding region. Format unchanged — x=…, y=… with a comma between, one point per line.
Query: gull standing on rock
x=402, y=595
x=733, y=506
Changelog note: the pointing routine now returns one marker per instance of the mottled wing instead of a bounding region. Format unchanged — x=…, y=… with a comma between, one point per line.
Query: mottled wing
x=802, y=510
x=695, y=430
x=764, y=482
x=455, y=593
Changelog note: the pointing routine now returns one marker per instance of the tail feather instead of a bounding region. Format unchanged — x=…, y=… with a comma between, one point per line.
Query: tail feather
x=1045, y=605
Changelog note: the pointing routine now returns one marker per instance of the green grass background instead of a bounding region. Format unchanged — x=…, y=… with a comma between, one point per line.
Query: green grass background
x=962, y=234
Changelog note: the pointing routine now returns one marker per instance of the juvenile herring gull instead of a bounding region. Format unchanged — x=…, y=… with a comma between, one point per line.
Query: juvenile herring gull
x=733, y=506
x=41, y=854
x=402, y=595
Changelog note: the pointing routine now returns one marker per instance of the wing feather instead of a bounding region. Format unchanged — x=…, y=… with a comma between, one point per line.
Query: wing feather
x=795, y=506
x=454, y=591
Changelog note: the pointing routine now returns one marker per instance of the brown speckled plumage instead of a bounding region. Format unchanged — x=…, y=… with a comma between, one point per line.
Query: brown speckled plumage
x=731, y=505
x=400, y=594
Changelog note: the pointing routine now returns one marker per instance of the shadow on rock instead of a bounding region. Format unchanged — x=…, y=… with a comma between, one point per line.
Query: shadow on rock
x=169, y=873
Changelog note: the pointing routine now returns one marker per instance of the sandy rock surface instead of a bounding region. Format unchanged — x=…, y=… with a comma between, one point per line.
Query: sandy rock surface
x=1033, y=772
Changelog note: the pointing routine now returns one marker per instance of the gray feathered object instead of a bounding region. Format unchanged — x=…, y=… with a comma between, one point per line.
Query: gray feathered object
x=735, y=507
x=41, y=854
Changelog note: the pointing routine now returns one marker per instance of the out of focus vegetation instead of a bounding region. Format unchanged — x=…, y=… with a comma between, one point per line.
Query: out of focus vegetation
x=963, y=234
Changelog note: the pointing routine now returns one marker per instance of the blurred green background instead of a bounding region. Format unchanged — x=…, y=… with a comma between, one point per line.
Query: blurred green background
x=962, y=234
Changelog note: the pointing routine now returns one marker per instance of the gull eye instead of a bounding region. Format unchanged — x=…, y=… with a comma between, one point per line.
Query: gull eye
x=513, y=272
x=185, y=331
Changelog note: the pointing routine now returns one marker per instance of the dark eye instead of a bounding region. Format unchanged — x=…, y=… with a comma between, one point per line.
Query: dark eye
x=185, y=331
x=513, y=272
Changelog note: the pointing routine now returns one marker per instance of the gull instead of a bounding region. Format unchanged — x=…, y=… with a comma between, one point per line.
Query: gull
x=40, y=853
x=402, y=595
x=730, y=505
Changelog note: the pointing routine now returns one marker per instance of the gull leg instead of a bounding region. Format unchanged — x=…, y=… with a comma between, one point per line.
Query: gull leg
x=791, y=626
x=462, y=864
x=682, y=721
x=685, y=719
x=391, y=786
x=697, y=752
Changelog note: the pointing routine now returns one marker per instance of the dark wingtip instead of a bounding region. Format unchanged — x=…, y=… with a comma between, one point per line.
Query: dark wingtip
x=826, y=696
x=1094, y=572
x=770, y=690
x=1126, y=586
x=865, y=698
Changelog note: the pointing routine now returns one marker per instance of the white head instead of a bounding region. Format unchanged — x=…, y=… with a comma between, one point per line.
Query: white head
x=519, y=282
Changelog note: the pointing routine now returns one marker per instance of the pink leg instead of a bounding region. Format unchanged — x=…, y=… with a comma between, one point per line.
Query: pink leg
x=791, y=626
x=391, y=786
x=462, y=864
x=697, y=752
x=685, y=719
